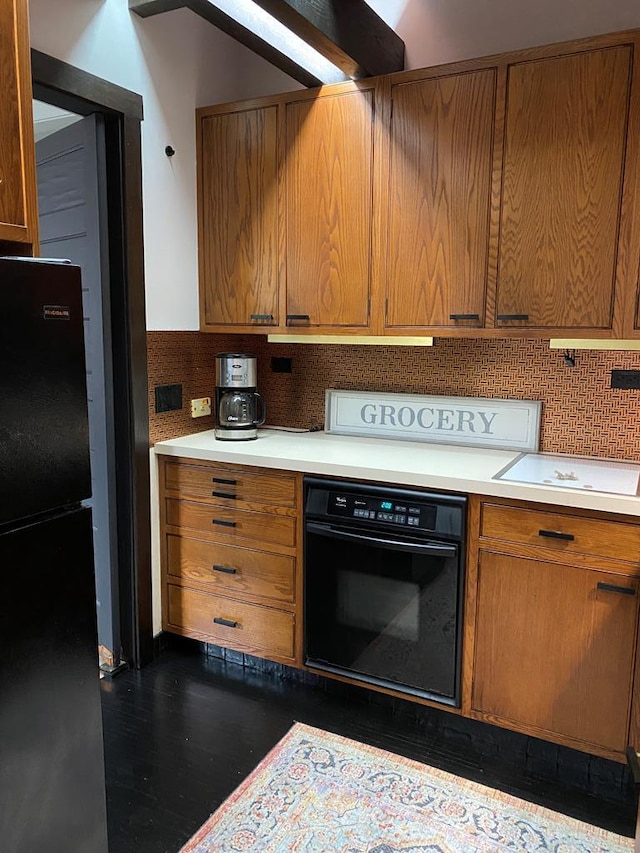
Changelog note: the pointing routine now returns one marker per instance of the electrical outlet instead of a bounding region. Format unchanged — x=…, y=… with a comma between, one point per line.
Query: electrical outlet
x=201, y=407
x=628, y=380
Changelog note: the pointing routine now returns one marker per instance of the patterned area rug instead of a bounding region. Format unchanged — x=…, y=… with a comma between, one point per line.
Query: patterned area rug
x=320, y=793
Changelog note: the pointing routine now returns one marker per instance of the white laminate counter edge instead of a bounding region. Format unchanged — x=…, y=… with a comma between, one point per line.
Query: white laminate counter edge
x=446, y=467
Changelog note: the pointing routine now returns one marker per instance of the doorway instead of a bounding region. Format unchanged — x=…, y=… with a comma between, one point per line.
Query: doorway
x=71, y=178
x=100, y=122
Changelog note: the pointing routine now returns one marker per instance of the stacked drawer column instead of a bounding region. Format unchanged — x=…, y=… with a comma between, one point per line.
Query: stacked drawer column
x=230, y=562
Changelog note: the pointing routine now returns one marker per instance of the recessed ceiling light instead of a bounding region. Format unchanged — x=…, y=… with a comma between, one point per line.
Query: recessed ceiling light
x=254, y=18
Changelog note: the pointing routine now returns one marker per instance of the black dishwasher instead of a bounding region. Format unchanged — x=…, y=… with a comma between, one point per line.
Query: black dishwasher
x=384, y=579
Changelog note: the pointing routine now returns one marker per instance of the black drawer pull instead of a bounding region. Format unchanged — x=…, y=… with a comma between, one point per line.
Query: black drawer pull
x=224, y=482
x=223, y=523
x=555, y=534
x=611, y=587
x=291, y=317
x=464, y=316
x=268, y=317
x=229, y=623
x=227, y=570
x=224, y=495
x=513, y=316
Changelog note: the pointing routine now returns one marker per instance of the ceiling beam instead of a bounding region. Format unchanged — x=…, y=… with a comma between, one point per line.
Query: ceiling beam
x=348, y=33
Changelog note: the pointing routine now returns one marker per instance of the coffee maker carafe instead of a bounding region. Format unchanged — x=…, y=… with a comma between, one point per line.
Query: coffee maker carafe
x=240, y=410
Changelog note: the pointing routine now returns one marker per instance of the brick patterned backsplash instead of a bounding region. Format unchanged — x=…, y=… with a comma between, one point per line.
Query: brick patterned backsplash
x=581, y=414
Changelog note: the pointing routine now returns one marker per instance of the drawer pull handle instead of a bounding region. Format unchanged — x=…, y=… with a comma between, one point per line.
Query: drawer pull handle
x=229, y=623
x=224, y=495
x=464, y=316
x=268, y=317
x=223, y=523
x=226, y=569
x=221, y=481
x=555, y=534
x=513, y=316
x=611, y=587
x=292, y=317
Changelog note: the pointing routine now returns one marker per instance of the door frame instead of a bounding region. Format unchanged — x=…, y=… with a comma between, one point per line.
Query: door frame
x=67, y=87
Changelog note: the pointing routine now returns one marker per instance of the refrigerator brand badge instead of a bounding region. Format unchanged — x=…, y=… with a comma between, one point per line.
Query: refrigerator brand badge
x=504, y=424
x=56, y=312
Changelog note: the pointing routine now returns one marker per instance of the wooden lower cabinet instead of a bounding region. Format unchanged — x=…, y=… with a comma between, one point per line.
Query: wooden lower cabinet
x=230, y=543
x=551, y=603
x=554, y=627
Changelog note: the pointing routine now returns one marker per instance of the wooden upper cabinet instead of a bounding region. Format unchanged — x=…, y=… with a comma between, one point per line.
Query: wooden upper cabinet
x=18, y=193
x=439, y=200
x=329, y=185
x=565, y=135
x=238, y=217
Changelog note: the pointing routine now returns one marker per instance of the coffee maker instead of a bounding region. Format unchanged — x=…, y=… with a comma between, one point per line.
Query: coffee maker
x=240, y=410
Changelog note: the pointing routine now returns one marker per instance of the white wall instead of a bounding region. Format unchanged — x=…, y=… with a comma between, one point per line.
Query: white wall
x=176, y=61
x=437, y=31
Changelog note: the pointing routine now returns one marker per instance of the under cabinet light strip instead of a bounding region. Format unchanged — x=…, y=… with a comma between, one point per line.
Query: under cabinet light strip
x=595, y=344
x=363, y=340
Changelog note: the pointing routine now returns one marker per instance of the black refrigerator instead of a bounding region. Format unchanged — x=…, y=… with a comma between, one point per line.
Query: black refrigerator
x=52, y=786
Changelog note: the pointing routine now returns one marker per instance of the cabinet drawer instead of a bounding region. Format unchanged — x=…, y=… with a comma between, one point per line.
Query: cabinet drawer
x=227, y=485
x=229, y=524
x=252, y=628
x=230, y=570
x=568, y=533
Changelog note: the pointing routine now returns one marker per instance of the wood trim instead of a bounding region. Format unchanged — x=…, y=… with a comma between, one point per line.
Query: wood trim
x=73, y=83
x=625, y=317
x=491, y=294
x=539, y=506
x=633, y=738
x=161, y=461
x=27, y=143
x=288, y=97
x=74, y=89
x=133, y=319
x=590, y=748
x=299, y=577
x=379, y=282
x=281, y=154
x=470, y=602
x=531, y=54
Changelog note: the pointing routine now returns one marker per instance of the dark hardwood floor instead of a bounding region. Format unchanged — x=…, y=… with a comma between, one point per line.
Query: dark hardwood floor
x=182, y=733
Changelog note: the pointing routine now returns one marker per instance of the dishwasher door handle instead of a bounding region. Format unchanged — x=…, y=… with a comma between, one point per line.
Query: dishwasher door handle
x=434, y=549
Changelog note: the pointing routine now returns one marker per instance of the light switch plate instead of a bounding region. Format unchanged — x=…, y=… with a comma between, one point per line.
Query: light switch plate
x=201, y=407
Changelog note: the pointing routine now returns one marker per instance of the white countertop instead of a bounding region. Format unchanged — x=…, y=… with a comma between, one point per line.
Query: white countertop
x=469, y=470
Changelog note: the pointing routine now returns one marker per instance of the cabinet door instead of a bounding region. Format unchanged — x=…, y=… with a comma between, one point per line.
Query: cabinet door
x=238, y=235
x=439, y=200
x=566, y=128
x=554, y=650
x=18, y=195
x=329, y=173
